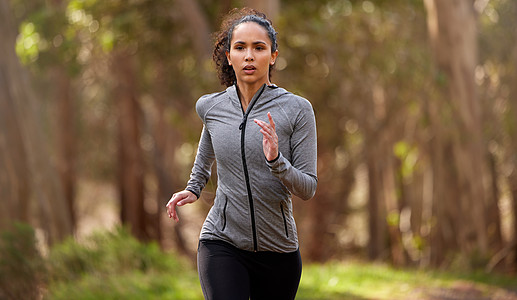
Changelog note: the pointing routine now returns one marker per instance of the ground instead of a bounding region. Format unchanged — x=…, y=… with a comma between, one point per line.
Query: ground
x=464, y=290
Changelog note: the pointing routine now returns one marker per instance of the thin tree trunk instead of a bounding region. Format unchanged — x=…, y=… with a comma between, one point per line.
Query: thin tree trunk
x=513, y=190
x=392, y=210
x=317, y=248
x=66, y=140
x=512, y=179
x=492, y=212
x=65, y=128
x=131, y=168
x=439, y=230
x=376, y=224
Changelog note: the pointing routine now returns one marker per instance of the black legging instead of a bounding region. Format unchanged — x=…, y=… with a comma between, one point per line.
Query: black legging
x=228, y=273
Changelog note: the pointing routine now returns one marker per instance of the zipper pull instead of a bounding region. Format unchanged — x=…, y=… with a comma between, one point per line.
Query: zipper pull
x=243, y=122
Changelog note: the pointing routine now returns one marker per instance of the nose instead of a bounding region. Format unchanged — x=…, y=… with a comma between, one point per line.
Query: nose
x=249, y=55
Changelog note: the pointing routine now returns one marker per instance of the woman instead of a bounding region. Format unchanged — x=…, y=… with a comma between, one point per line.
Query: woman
x=248, y=244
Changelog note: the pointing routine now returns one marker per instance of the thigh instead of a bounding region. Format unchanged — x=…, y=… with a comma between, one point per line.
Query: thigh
x=276, y=276
x=222, y=275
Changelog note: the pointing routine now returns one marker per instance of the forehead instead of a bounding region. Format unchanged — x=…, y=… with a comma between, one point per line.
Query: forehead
x=250, y=31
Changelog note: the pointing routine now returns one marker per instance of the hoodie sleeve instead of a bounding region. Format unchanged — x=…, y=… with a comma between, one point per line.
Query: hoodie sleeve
x=202, y=165
x=299, y=175
x=205, y=156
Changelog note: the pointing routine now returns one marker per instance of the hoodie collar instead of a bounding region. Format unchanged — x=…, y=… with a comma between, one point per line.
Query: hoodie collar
x=269, y=92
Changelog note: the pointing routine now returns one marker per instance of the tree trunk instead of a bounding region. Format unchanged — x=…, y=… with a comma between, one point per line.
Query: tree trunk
x=269, y=7
x=513, y=190
x=198, y=23
x=376, y=210
x=15, y=86
x=165, y=145
x=319, y=212
x=452, y=26
x=65, y=127
x=14, y=171
x=131, y=168
x=512, y=179
x=66, y=140
x=392, y=205
x=494, y=225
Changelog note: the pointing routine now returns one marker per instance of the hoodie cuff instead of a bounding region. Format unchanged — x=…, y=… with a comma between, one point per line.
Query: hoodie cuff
x=192, y=191
x=274, y=160
x=275, y=163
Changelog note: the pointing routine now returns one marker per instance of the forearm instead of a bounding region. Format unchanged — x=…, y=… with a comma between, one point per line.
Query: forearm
x=201, y=170
x=300, y=183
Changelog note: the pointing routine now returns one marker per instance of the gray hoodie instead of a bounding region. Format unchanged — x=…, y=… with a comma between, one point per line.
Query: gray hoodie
x=253, y=204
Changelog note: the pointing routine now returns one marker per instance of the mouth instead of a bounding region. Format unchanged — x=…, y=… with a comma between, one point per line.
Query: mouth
x=249, y=69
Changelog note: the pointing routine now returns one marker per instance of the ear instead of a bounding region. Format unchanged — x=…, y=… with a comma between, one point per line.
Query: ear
x=274, y=55
x=228, y=57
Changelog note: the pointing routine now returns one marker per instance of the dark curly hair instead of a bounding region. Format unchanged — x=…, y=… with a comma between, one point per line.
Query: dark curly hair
x=224, y=36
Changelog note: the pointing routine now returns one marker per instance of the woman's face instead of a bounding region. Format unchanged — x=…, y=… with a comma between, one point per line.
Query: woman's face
x=250, y=54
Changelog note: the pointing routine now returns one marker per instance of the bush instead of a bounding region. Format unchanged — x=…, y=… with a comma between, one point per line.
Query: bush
x=114, y=265
x=22, y=268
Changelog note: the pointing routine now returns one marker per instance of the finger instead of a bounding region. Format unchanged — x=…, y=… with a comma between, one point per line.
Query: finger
x=175, y=214
x=271, y=122
x=267, y=135
x=266, y=127
x=261, y=123
x=179, y=201
x=185, y=200
x=171, y=207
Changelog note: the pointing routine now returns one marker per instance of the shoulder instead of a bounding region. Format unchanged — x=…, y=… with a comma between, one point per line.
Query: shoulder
x=206, y=102
x=294, y=103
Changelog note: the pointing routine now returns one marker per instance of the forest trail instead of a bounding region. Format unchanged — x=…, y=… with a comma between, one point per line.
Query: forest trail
x=465, y=290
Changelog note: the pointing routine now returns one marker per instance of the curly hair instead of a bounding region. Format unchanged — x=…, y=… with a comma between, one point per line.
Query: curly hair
x=224, y=36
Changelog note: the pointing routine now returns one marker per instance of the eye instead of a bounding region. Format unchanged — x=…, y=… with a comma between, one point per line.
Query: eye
x=238, y=47
x=260, y=48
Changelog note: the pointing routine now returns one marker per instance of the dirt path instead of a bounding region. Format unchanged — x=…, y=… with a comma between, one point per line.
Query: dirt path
x=462, y=290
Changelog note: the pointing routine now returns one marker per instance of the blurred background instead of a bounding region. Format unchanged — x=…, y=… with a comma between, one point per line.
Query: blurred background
x=415, y=102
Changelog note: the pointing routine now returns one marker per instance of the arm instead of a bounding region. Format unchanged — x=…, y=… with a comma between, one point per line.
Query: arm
x=198, y=178
x=300, y=175
x=201, y=171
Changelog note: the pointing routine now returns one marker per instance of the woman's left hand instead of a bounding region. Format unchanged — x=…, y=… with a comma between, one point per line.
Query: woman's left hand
x=270, y=139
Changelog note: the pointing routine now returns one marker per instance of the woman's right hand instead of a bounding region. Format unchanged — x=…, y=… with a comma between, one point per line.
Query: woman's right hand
x=179, y=199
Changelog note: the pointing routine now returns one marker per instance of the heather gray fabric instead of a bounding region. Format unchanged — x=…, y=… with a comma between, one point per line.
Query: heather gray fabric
x=270, y=183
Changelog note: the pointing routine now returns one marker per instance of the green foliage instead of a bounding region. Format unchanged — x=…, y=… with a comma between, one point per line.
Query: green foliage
x=338, y=280
x=27, y=43
x=408, y=156
x=114, y=265
x=22, y=268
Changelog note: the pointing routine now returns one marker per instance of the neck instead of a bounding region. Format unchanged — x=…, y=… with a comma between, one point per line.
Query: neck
x=247, y=91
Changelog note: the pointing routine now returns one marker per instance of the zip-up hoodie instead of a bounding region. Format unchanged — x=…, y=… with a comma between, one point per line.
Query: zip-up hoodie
x=253, y=204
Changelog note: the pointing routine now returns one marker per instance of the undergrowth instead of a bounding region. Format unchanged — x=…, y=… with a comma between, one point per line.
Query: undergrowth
x=114, y=265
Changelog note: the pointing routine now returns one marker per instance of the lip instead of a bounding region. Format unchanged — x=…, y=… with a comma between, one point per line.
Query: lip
x=249, y=69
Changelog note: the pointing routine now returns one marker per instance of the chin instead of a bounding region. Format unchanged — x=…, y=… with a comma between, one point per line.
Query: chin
x=251, y=80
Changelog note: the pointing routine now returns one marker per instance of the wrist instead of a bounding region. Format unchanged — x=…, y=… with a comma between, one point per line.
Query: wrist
x=194, y=193
x=274, y=159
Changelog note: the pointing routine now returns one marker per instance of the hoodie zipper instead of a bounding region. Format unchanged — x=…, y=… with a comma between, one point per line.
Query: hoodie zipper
x=242, y=127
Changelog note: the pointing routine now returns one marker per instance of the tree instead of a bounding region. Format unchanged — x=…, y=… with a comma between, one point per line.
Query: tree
x=461, y=194
x=30, y=176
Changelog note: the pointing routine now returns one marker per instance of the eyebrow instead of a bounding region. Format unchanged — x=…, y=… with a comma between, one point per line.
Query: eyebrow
x=254, y=43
